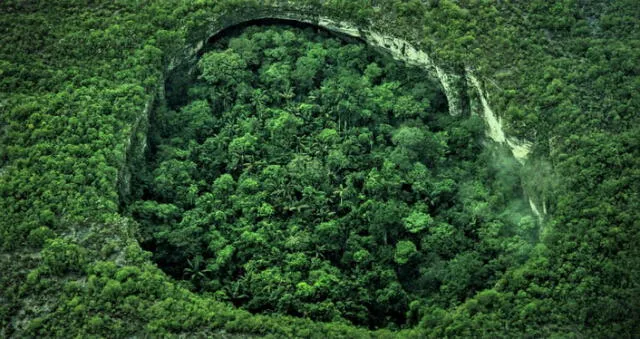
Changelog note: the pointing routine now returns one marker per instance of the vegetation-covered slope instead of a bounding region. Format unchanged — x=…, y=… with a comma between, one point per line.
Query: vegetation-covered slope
x=75, y=77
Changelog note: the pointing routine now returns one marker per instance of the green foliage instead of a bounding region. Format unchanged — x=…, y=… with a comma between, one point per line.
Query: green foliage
x=278, y=198
x=77, y=80
x=417, y=222
x=59, y=257
x=405, y=249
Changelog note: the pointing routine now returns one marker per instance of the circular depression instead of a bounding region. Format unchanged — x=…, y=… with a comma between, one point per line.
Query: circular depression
x=293, y=171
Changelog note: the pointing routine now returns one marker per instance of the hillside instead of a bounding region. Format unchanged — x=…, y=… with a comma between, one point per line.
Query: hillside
x=320, y=168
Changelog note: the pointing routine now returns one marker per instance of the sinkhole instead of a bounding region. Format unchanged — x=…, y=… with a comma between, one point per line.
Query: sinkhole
x=293, y=171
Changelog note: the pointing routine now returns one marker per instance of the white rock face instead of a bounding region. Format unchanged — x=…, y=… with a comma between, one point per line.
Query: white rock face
x=535, y=211
x=519, y=148
x=341, y=27
x=495, y=131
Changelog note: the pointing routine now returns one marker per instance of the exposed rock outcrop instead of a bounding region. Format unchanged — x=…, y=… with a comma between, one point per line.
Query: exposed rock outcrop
x=495, y=131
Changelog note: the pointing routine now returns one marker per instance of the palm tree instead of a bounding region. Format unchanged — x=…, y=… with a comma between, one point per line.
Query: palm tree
x=288, y=93
x=223, y=97
x=196, y=271
x=340, y=192
x=259, y=101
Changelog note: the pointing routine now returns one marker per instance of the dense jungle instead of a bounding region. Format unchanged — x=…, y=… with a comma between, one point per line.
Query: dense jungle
x=320, y=168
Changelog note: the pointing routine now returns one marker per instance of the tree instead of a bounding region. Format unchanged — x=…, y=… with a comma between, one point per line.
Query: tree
x=195, y=120
x=196, y=271
x=405, y=250
x=283, y=126
x=240, y=148
x=173, y=181
x=226, y=69
x=417, y=222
